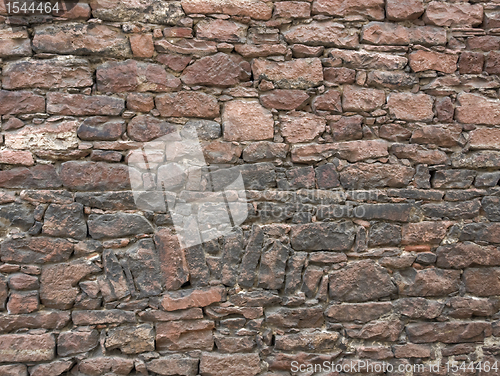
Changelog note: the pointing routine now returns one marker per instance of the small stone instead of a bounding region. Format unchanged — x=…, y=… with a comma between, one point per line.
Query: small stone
x=246, y=120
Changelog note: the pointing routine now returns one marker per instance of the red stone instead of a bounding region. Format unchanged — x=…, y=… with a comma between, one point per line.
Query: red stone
x=255, y=9
x=27, y=347
x=83, y=105
x=453, y=14
x=429, y=60
x=295, y=74
x=247, y=120
x=301, y=126
x=371, y=9
x=187, y=104
x=142, y=45
x=221, y=31
x=20, y=102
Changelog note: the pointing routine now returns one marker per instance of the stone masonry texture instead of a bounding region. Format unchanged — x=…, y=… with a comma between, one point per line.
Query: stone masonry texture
x=367, y=135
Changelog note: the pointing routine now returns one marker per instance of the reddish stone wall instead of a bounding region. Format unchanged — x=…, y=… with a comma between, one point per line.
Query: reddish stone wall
x=367, y=134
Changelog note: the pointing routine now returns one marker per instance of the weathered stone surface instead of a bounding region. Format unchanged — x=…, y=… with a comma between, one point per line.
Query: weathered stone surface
x=194, y=47
x=192, y=298
x=150, y=11
x=417, y=308
x=74, y=342
x=35, y=250
x=14, y=42
x=404, y=10
x=295, y=74
x=55, y=368
x=99, y=176
x=452, y=210
x=377, y=331
x=27, y=347
x=246, y=120
x=174, y=364
x=381, y=33
x=429, y=60
x=476, y=109
x=217, y=70
x=14, y=370
x=102, y=365
x=65, y=221
x=428, y=282
x=256, y=9
x=330, y=101
x=185, y=335
x=301, y=127
x=172, y=259
x=272, y=266
x=363, y=175
x=83, y=105
x=419, y=154
x=226, y=365
x=359, y=99
x=411, y=107
x=80, y=39
x=187, y=103
x=296, y=317
x=334, y=236
x=424, y=232
x=131, y=339
x=145, y=128
x=362, y=312
x=47, y=74
x=258, y=298
x=142, y=45
x=283, y=99
x=110, y=316
x=485, y=138
x=100, y=128
x=46, y=320
x=369, y=60
x=391, y=80
x=221, y=31
x=445, y=136
x=329, y=34
x=453, y=14
x=117, y=225
x=20, y=102
x=23, y=302
x=372, y=10
x=130, y=75
x=294, y=9
x=58, y=280
x=448, y=332
x=360, y=281
x=306, y=340
x=482, y=281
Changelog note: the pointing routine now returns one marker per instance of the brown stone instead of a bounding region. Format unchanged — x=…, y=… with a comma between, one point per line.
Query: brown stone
x=213, y=364
x=192, y=298
x=65, y=220
x=453, y=14
x=424, y=232
x=355, y=151
x=292, y=9
x=301, y=50
x=83, y=105
x=448, y=332
x=142, y=45
x=476, y=109
x=27, y=347
x=329, y=101
x=264, y=150
x=482, y=281
x=295, y=74
x=411, y=350
x=144, y=128
x=100, y=128
x=471, y=62
x=51, y=369
x=245, y=120
x=430, y=60
x=47, y=74
x=369, y=60
x=462, y=255
x=417, y=308
x=130, y=75
x=36, y=250
x=20, y=102
x=419, y=154
x=174, y=364
x=12, y=123
x=347, y=128
x=74, y=342
x=80, y=39
x=329, y=34
x=58, y=280
x=140, y=102
x=24, y=158
x=360, y=281
x=411, y=107
x=362, y=312
x=221, y=31
x=22, y=302
x=466, y=307
x=301, y=126
x=14, y=42
x=187, y=104
x=377, y=331
x=21, y=281
x=404, y=10
x=445, y=136
x=364, y=175
x=255, y=9
x=340, y=75
x=221, y=152
x=492, y=62
x=193, y=47
x=100, y=317
x=306, y=340
x=99, y=176
x=101, y=365
x=45, y=320
x=185, y=335
x=260, y=50
x=172, y=259
x=133, y=339
x=428, y=282
x=217, y=70
x=385, y=33
x=485, y=138
x=483, y=43
x=360, y=99
x=13, y=370
x=284, y=99
x=372, y=9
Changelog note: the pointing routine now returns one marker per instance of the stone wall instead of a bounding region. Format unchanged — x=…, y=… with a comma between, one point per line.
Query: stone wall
x=367, y=134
